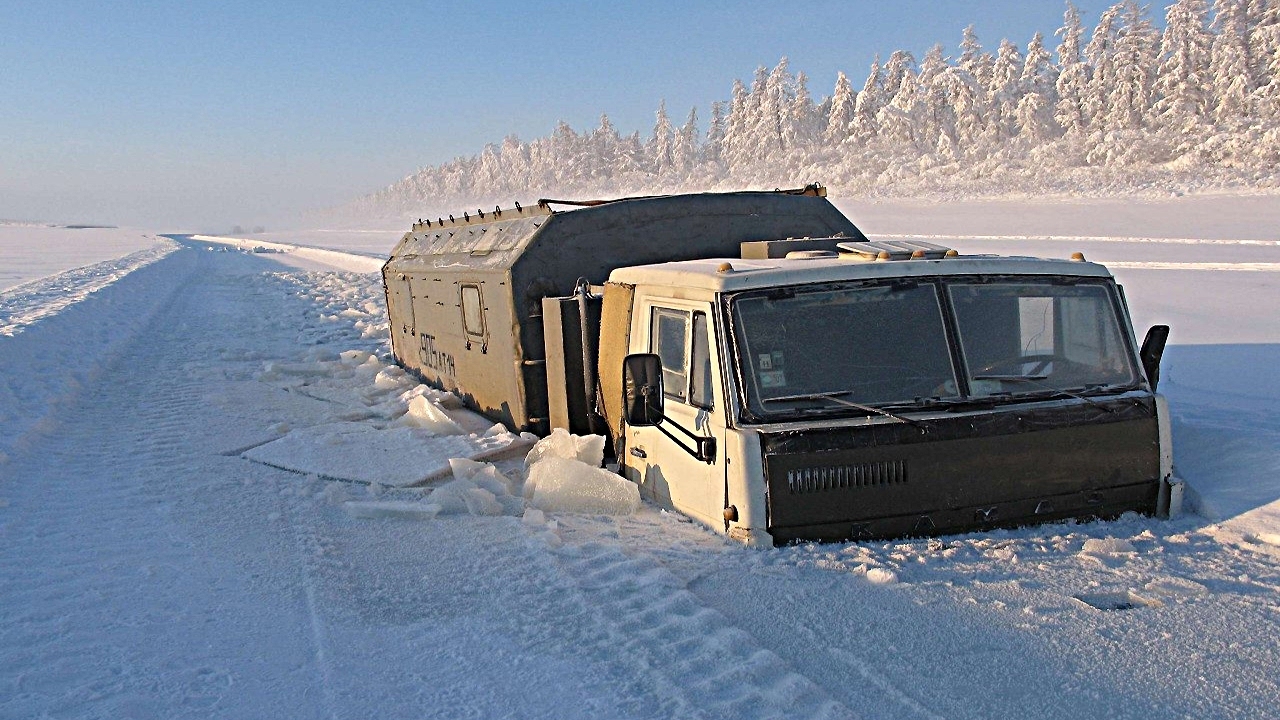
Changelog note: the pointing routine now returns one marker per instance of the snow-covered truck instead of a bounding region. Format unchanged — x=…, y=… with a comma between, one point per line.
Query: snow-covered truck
x=761, y=366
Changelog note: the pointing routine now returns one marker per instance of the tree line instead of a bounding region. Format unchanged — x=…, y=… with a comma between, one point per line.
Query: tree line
x=1124, y=106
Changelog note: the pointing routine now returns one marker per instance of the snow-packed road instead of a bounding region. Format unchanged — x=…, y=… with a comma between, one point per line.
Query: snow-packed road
x=151, y=571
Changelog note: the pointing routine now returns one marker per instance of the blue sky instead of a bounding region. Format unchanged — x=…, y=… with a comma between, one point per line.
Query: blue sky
x=201, y=114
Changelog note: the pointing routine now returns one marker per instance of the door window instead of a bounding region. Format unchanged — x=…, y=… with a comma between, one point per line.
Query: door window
x=668, y=333
x=700, y=368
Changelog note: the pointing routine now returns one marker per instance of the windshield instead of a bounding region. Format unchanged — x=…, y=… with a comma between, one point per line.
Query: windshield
x=859, y=348
x=1025, y=337
x=879, y=345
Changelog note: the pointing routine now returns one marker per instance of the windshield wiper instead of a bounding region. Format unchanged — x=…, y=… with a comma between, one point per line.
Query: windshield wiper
x=1035, y=380
x=833, y=396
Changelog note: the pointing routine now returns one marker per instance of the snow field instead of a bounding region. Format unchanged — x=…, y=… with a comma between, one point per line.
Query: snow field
x=58, y=333
x=32, y=251
x=25, y=304
x=302, y=256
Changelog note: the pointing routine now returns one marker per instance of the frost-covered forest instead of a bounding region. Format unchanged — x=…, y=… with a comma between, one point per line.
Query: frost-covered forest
x=1122, y=106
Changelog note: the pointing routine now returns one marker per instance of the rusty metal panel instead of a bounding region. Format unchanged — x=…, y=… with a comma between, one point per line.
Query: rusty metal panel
x=615, y=334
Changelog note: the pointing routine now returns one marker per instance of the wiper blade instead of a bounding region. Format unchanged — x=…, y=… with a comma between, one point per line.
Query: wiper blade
x=1035, y=380
x=834, y=396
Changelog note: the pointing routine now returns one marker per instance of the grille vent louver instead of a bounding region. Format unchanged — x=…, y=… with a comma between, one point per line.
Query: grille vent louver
x=838, y=477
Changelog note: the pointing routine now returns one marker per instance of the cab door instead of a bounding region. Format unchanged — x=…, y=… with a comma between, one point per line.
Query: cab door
x=681, y=334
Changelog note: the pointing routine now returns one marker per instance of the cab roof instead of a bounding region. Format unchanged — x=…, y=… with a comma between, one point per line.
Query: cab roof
x=734, y=274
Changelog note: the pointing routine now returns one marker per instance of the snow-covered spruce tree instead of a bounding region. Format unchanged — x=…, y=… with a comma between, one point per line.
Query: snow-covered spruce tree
x=799, y=124
x=973, y=60
x=1005, y=90
x=1230, y=64
x=964, y=96
x=684, y=153
x=1100, y=53
x=1264, y=46
x=775, y=103
x=711, y=150
x=660, y=145
x=602, y=154
x=868, y=104
x=840, y=114
x=933, y=113
x=489, y=171
x=1074, y=75
x=1037, y=83
x=897, y=127
x=977, y=65
x=1182, y=81
x=514, y=156
x=900, y=64
x=735, y=145
x=1263, y=18
x=1136, y=50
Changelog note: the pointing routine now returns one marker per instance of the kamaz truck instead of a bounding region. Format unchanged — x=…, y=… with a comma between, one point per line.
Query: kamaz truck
x=761, y=366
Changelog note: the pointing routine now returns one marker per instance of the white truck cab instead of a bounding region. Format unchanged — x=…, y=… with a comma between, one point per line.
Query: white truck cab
x=847, y=394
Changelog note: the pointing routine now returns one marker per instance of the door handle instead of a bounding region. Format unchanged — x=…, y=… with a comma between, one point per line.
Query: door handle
x=639, y=452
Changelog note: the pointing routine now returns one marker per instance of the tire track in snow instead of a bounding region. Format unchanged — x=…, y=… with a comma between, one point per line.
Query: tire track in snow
x=712, y=668
x=122, y=546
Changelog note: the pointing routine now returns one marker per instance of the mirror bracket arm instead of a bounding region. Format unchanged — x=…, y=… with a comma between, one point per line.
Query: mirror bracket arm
x=705, y=447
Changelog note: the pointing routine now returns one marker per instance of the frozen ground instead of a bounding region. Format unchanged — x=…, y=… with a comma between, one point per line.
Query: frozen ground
x=32, y=251
x=152, y=570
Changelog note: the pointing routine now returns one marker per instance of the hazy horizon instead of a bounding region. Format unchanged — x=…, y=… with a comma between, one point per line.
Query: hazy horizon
x=202, y=116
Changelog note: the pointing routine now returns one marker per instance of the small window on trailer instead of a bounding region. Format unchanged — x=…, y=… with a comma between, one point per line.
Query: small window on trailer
x=472, y=304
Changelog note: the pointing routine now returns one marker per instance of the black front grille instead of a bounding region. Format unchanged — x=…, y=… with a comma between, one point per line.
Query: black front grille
x=835, y=477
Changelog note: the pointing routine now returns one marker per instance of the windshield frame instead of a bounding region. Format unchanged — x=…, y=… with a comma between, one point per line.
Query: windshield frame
x=751, y=410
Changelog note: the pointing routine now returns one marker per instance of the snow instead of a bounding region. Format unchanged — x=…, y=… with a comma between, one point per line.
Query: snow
x=32, y=251
x=150, y=569
x=308, y=258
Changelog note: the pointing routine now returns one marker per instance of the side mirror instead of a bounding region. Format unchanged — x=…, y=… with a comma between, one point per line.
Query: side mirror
x=1152, y=351
x=642, y=389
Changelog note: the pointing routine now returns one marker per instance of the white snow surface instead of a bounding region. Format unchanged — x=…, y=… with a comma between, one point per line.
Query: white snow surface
x=150, y=570
x=31, y=251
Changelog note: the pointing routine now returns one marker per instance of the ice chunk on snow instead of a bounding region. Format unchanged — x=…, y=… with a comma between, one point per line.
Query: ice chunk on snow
x=392, y=509
x=587, y=449
x=482, y=474
x=482, y=502
x=353, y=357
x=564, y=485
x=451, y=497
x=590, y=449
x=427, y=415
x=491, y=479
x=464, y=468
x=389, y=378
x=881, y=576
x=1107, y=546
x=534, y=516
x=558, y=444
x=398, y=456
x=464, y=497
